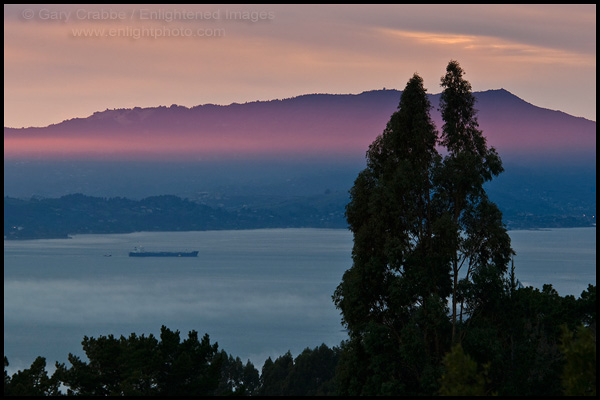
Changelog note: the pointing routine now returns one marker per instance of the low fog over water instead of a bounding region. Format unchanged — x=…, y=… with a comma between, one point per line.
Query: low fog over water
x=258, y=293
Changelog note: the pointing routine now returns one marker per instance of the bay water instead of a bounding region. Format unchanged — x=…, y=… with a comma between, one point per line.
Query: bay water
x=258, y=293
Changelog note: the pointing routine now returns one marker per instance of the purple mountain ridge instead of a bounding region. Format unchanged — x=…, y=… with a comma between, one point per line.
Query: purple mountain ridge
x=331, y=125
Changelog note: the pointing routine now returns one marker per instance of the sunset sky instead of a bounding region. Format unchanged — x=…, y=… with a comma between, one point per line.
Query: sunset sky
x=66, y=61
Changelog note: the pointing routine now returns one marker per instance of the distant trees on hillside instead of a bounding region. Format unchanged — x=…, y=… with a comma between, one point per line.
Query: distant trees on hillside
x=79, y=214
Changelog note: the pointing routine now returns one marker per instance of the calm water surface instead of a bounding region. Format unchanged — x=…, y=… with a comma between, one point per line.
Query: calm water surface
x=257, y=293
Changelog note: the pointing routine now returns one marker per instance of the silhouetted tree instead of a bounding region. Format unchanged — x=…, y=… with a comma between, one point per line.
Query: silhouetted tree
x=237, y=379
x=462, y=376
x=479, y=241
x=519, y=334
x=274, y=374
x=419, y=221
x=579, y=350
x=312, y=373
x=33, y=381
x=392, y=299
x=140, y=365
x=6, y=378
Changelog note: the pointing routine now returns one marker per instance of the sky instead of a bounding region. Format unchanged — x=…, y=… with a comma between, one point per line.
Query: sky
x=67, y=61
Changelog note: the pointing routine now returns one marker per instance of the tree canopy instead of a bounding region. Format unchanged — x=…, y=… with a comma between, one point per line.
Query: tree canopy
x=426, y=236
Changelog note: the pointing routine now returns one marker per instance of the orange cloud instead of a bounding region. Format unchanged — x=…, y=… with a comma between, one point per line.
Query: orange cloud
x=51, y=74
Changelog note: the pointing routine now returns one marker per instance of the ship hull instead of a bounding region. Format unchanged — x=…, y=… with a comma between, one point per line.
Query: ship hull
x=164, y=254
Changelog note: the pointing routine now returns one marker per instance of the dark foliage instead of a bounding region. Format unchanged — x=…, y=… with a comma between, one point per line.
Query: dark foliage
x=531, y=342
x=310, y=374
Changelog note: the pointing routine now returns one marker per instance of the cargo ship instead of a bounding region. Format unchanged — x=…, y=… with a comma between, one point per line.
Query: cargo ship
x=139, y=252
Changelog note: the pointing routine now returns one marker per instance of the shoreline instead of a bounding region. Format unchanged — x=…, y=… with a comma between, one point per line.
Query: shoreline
x=71, y=235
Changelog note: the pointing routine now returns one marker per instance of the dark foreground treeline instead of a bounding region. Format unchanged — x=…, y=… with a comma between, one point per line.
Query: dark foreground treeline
x=530, y=342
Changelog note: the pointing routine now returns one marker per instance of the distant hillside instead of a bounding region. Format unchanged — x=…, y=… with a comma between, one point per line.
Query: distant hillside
x=276, y=163
x=79, y=214
x=310, y=125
